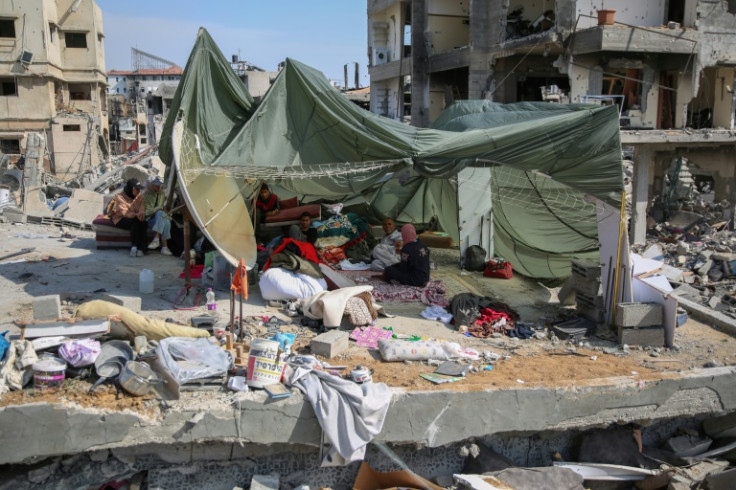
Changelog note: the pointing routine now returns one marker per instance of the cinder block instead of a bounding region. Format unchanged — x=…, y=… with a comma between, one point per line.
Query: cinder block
x=586, y=269
x=653, y=336
x=590, y=312
x=588, y=288
x=596, y=301
x=132, y=303
x=47, y=307
x=635, y=315
x=330, y=344
x=264, y=482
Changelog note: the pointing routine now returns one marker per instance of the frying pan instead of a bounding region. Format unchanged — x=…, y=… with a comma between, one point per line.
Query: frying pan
x=108, y=369
x=113, y=356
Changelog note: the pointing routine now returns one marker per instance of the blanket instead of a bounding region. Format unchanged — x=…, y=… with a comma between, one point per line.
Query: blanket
x=434, y=293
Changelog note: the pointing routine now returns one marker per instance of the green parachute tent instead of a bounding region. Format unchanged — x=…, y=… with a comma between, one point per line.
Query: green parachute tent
x=310, y=140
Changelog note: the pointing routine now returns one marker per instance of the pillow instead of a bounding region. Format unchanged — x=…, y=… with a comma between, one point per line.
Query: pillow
x=292, y=202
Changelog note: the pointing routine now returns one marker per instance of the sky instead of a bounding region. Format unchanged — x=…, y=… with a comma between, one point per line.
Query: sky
x=325, y=35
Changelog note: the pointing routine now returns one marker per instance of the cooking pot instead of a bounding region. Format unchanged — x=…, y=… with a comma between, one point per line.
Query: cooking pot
x=137, y=378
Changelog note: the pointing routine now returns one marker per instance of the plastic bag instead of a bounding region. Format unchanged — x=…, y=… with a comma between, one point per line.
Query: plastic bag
x=4, y=344
x=81, y=352
x=189, y=359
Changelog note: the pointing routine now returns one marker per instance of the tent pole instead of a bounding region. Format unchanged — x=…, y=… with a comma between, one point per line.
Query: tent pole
x=618, y=254
x=187, y=250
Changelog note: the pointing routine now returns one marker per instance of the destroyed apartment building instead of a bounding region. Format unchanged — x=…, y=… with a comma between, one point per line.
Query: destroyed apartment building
x=52, y=83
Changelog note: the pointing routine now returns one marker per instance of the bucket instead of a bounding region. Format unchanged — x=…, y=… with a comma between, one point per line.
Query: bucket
x=48, y=372
x=264, y=366
x=145, y=281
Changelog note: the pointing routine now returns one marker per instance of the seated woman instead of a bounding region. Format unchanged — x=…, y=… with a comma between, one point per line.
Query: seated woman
x=413, y=270
x=386, y=253
x=154, y=199
x=126, y=211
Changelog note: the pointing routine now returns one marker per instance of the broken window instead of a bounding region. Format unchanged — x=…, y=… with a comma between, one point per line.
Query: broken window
x=7, y=28
x=75, y=39
x=80, y=91
x=10, y=146
x=142, y=128
x=72, y=127
x=8, y=87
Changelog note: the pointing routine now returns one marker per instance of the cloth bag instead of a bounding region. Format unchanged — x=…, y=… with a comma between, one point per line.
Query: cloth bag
x=498, y=268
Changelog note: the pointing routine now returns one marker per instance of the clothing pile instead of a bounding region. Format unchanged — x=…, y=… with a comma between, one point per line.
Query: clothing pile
x=483, y=315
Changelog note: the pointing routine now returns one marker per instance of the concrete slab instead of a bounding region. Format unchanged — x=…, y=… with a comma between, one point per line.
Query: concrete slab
x=437, y=417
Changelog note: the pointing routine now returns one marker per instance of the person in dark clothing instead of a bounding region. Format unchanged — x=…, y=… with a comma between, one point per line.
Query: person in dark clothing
x=413, y=270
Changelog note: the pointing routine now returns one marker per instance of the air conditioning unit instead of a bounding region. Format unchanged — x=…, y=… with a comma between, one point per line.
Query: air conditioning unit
x=380, y=56
x=26, y=57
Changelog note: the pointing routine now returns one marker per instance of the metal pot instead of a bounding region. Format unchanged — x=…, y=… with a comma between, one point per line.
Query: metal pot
x=137, y=378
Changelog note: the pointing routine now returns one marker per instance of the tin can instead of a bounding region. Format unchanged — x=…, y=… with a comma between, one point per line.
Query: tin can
x=361, y=374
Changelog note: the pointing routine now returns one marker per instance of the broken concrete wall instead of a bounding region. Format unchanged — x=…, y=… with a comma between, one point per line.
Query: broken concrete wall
x=717, y=162
x=632, y=12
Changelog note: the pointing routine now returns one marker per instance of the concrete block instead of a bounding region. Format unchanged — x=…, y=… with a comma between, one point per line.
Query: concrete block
x=264, y=482
x=47, y=307
x=132, y=303
x=595, y=301
x=586, y=269
x=720, y=427
x=634, y=315
x=590, y=288
x=330, y=344
x=590, y=312
x=653, y=336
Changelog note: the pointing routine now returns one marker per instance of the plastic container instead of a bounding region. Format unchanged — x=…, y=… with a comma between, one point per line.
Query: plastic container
x=145, y=281
x=211, y=302
x=48, y=372
x=4, y=195
x=264, y=366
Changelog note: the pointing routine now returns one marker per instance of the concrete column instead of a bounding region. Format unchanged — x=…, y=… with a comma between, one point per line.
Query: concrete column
x=643, y=159
x=487, y=19
x=420, y=63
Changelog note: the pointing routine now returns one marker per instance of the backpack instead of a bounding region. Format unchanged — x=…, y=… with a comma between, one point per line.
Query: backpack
x=475, y=258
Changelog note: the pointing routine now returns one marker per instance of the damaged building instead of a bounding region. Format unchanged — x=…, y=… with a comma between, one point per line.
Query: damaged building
x=139, y=100
x=52, y=82
x=668, y=66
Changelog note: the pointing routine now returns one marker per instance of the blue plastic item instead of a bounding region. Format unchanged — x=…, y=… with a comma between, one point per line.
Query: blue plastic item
x=4, y=344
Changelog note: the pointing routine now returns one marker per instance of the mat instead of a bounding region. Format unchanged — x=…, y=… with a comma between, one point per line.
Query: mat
x=434, y=293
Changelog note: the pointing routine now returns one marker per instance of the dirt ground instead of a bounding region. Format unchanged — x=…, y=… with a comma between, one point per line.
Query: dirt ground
x=65, y=262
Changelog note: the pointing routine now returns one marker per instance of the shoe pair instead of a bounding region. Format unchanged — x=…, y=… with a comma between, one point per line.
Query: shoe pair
x=166, y=251
x=154, y=244
x=134, y=252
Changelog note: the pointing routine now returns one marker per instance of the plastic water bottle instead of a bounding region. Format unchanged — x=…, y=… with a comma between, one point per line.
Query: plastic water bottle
x=145, y=281
x=211, y=303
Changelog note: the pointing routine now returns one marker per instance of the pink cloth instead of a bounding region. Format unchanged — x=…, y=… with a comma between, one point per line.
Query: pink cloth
x=408, y=233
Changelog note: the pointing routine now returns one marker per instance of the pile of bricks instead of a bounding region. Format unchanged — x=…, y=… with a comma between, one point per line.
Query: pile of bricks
x=586, y=281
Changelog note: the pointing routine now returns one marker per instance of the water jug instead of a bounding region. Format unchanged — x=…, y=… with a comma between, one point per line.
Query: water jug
x=145, y=281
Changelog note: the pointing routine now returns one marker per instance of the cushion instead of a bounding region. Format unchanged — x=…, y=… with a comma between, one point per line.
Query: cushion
x=289, y=203
x=293, y=214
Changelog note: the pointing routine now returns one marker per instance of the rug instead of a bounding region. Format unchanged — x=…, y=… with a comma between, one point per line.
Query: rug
x=434, y=293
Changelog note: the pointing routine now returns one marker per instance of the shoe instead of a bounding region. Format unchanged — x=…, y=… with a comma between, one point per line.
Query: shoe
x=133, y=251
x=139, y=253
x=154, y=244
x=166, y=251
